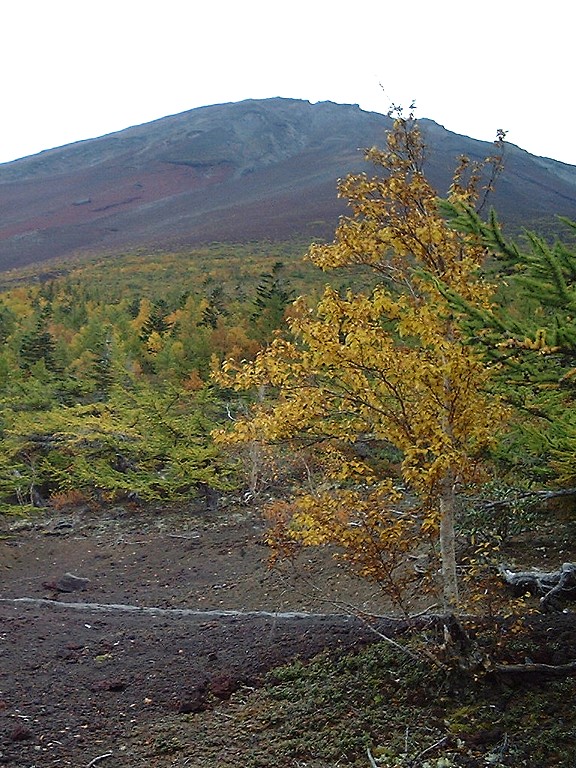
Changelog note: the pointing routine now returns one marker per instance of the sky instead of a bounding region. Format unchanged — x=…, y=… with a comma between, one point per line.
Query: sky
x=74, y=69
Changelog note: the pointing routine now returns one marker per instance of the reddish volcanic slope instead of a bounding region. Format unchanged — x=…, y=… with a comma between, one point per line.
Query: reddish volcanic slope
x=231, y=172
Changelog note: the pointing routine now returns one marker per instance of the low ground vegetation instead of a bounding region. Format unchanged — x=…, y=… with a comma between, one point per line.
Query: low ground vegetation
x=261, y=691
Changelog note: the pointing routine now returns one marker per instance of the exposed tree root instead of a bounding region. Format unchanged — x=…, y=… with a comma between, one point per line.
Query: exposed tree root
x=554, y=587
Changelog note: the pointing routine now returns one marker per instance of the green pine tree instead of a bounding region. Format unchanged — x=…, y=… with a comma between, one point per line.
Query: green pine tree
x=38, y=345
x=272, y=298
x=157, y=322
x=529, y=335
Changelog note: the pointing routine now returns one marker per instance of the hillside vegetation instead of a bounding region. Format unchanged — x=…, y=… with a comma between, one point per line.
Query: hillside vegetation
x=106, y=366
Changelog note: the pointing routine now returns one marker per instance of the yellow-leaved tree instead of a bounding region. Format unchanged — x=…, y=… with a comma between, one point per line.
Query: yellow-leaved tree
x=367, y=370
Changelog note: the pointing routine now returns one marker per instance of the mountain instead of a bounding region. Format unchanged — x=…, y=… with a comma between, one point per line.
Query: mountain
x=252, y=170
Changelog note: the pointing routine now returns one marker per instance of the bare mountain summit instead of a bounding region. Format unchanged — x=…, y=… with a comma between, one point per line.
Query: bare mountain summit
x=231, y=172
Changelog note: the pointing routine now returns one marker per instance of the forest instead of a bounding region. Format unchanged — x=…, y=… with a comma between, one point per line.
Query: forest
x=106, y=369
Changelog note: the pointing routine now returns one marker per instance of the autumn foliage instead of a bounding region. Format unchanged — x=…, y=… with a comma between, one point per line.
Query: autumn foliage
x=378, y=368
x=104, y=371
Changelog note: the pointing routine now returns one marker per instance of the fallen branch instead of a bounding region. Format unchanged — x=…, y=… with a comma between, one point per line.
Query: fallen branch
x=538, y=670
x=529, y=497
x=169, y=612
x=551, y=585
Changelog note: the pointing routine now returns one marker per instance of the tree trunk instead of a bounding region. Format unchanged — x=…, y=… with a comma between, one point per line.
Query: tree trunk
x=447, y=543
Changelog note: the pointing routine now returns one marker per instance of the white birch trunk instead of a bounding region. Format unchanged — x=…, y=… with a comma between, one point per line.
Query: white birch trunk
x=448, y=544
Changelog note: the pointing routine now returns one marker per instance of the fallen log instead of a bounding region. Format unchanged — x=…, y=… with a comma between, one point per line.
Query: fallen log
x=553, y=587
x=542, y=671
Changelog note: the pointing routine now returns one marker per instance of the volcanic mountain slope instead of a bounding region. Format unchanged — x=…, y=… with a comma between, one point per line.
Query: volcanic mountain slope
x=252, y=170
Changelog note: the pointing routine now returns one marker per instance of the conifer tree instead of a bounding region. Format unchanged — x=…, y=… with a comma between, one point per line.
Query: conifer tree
x=529, y=335
x=214, y=308
x=104, y=374
x=273, y=296
x=141, y=443
x=37, y=344
x=7, y=322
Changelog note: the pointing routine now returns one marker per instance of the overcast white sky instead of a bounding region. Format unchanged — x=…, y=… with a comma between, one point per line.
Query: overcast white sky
x=76, y=69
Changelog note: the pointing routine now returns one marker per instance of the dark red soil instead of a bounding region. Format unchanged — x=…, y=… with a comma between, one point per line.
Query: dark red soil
x=119, y=625
x=88, y=671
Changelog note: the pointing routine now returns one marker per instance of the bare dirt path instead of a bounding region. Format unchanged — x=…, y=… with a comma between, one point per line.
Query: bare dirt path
x=111, y=620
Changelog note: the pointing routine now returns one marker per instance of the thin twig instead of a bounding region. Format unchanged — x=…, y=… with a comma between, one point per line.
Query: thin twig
x=359, y=614
x=420, y=755
x=97, y=759
x=393, y=643
x=528, y=496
